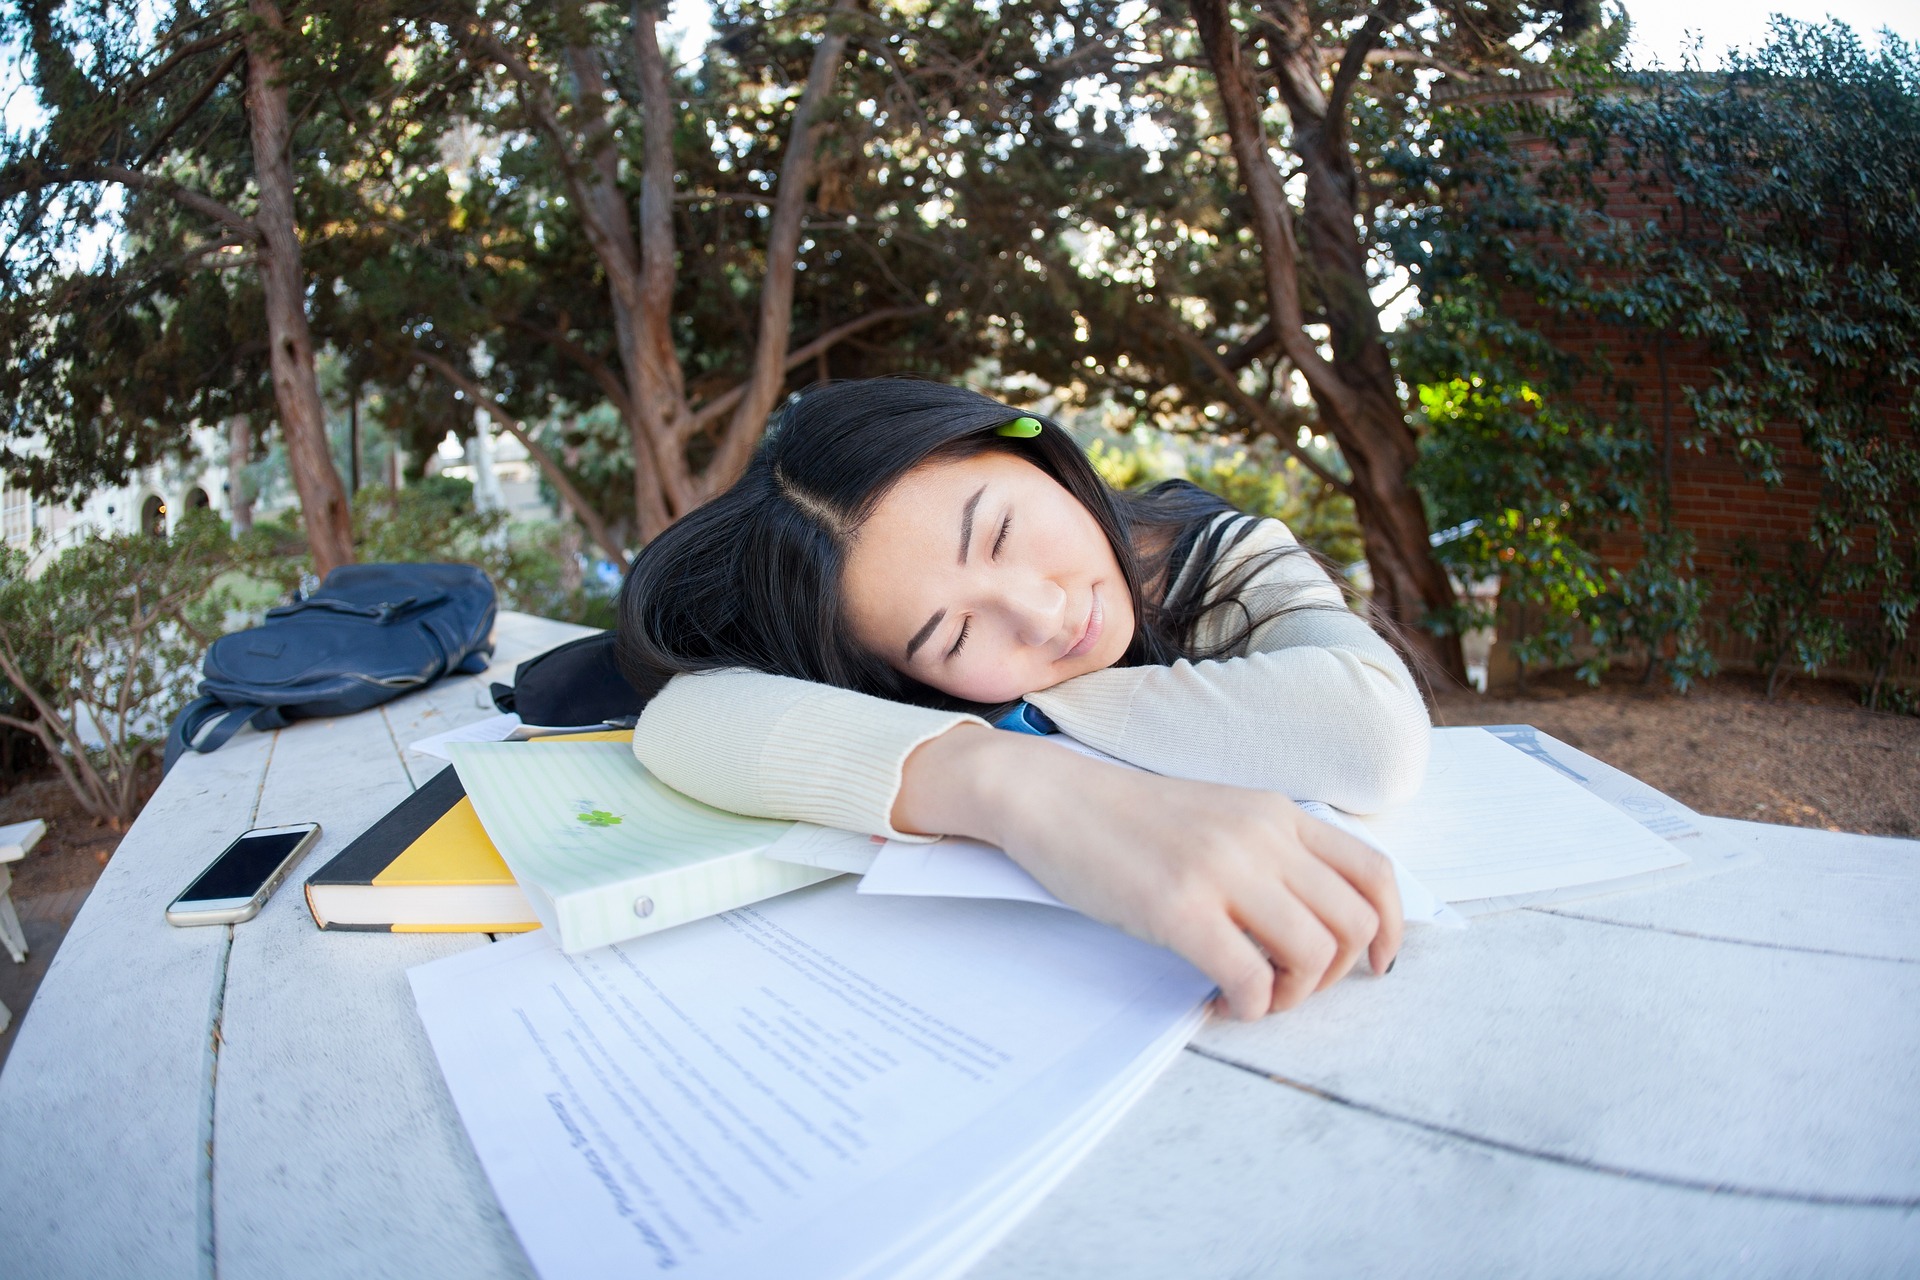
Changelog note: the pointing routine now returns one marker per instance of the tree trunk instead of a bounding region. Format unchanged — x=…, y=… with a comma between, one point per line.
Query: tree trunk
x=1355, y=390
x=641, y=266
x=783, y=244
x=303, y=419
x=239, y=454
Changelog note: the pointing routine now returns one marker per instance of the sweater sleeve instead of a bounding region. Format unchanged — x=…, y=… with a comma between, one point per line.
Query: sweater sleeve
x=1318, y=706
x=777, y=747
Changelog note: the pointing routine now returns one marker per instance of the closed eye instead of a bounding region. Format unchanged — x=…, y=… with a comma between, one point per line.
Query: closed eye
x=965, y=627
x=1000, y=539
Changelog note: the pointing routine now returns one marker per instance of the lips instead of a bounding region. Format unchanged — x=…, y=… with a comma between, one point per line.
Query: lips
x=1096, y=617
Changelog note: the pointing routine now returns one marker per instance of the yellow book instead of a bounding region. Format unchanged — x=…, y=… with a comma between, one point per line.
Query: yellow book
x=427, y=867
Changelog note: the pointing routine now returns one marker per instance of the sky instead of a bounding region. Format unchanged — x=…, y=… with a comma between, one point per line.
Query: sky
x=1663, y=30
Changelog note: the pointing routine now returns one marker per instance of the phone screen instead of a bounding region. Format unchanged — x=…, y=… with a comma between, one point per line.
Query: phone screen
x=248, y=863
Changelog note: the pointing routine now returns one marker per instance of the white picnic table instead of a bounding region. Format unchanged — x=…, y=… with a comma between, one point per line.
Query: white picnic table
x=1718, y=1078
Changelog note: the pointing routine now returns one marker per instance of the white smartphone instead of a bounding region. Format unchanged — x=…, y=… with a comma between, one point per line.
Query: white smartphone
x=238, y=883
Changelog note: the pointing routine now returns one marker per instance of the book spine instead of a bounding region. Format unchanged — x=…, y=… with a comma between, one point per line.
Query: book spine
x=649, y=903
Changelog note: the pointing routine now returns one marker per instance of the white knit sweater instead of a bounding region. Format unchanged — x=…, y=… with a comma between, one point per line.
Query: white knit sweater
x=1313, y=704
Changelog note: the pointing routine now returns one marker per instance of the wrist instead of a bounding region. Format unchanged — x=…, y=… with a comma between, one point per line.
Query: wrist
x=969, y=782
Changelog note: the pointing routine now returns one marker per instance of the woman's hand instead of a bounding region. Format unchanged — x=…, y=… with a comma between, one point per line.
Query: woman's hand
x=1271, y=904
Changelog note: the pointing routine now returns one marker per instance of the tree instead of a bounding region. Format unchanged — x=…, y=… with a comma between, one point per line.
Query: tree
x=596, y=90
x=1315, y=58
x=804, y=192
x=209, y=114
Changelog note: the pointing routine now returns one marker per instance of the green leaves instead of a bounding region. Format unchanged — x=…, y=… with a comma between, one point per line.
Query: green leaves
x=104, y=644
x=1766, y=215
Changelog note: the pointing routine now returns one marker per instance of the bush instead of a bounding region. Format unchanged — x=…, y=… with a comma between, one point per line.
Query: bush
x=104, y=648
x=1257, y=478
x=534, y=566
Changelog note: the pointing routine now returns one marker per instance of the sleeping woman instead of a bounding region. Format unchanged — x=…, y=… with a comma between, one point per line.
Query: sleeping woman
x=903, y=563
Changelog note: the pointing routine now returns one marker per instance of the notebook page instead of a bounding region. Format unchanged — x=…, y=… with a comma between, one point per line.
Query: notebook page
x=801, y=1088
x=1491, y=821
x=569, y=816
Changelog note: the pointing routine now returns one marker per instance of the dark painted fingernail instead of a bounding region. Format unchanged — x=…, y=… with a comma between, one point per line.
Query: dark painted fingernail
x=1391, y=963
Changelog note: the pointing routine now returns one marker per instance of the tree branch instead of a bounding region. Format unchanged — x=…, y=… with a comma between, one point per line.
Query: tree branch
x=721, y=404
x=783, y=242
x=175, y=59
x=1259, y=414
x=22, y=179
x=1355, y=59
x=1273, y=215
x=1379, y=57
x=601, y=373
x=186, y=113
x=549, y=465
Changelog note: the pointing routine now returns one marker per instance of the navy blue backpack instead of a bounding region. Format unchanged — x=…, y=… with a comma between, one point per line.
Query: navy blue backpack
x=369, y=633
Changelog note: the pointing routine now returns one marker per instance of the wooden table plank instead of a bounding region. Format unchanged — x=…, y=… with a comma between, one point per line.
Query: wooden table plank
x=335, y=1147
x=1812, y=890
x=105, y=1102
x=1665, y=1056
x=1218, y=1173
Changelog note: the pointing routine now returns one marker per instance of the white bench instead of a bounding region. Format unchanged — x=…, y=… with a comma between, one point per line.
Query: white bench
x=1721, y=1078
x=16, y=839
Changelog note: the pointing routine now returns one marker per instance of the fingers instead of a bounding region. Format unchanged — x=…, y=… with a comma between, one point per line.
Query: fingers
x=1219, y=949
x=1349, y=918
x=1371, y=873
x=1301, y=947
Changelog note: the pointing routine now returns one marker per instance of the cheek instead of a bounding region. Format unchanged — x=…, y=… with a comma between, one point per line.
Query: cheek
x=994, y=672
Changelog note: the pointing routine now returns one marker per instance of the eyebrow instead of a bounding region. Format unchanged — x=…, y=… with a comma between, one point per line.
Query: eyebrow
x=927, y=629
x=920, y=636
x=966, y=522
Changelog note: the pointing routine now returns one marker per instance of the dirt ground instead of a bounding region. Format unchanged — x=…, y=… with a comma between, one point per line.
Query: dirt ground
x=1814, y=758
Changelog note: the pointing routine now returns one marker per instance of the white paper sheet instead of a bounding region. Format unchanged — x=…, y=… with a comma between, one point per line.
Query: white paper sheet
x=1705, y=854
x=1418, y=904
x=822, y=1085
x=1492, y=821
x=1654, y=810
x=952, y=868
x=490, y=729
x=826, y=847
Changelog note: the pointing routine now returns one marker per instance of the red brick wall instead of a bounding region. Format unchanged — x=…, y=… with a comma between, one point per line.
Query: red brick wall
x=1715, y=496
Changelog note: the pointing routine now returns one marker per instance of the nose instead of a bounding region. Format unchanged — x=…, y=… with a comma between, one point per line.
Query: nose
x=1036, y=607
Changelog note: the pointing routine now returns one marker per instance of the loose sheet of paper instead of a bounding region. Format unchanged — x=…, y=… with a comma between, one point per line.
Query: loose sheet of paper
x=489, y=729
x=1418, y=904
x=1491, y=821
x=1705, y=853
x=828, y=848
x=952, y=868
x=821, y=1085
x=1660, y=814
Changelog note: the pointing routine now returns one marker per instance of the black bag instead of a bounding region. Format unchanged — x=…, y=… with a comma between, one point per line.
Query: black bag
x=575, y=683
x=370, y=633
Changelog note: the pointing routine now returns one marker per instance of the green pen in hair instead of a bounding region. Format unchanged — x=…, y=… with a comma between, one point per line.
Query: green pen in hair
x=1023, y=428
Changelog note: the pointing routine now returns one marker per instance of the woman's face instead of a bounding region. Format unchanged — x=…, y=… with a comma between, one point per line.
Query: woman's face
x=985, y=579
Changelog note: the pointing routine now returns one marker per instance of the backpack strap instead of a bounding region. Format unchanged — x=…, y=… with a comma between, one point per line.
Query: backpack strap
x=202, y=711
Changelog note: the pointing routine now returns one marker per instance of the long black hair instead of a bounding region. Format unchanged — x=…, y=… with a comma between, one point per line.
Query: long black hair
x=753, y=577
